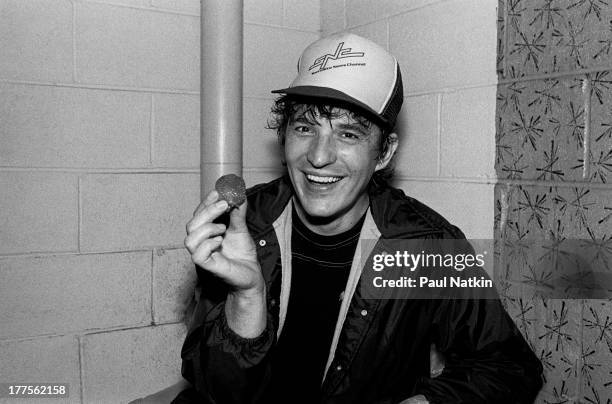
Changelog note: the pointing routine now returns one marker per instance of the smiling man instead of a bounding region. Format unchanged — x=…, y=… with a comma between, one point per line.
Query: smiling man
x=282, y=316
x=331, y=155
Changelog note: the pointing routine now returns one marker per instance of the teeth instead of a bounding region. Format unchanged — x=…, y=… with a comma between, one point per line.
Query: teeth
x=323, y=180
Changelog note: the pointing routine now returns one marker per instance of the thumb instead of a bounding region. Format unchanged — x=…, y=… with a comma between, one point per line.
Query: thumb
x=238, y=218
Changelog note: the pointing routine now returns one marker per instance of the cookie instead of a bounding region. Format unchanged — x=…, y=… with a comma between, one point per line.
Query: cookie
x=232, y=189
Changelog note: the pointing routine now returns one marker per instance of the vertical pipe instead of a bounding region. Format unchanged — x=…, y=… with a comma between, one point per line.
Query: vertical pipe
x=220, y=91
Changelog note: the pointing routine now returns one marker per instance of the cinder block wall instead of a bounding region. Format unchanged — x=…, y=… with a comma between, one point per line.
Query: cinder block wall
x=446, y=50
x=99, y=156
x=554, y=163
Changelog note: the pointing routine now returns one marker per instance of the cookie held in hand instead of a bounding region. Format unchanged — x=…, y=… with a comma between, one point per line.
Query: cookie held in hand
x=232, y=189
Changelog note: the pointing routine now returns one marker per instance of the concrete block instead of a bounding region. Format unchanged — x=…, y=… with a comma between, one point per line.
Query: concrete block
x=596, y=341
x=174, y=279
x=36, y=40
x=332, y=16
x=601, y=130
x=417, y=129
x=186, y=6
x=303, y=14
x=392, y=7
x=263, y=12
x=70, y=127
x=468, y=133
x=564, y=347
x=568, y=38
x=468, y=206
x=42, y=360
x=137, y=48
x=129, y=3
x=129, y=211
x=528, y=313
x=261, y=148
x=571, y=212
x=441, y=51
x=38, y=212
x=540, y=127
x=376, y=32
x=63, y=293
x=361, y=12
x=120, y=366
x=270, y=57
x=176, y=130
x=530, y=212
x=253, y=177
x=600, y=215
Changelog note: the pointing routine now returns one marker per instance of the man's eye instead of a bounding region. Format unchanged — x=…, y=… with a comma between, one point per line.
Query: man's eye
x=301, y=129
x=350, y=136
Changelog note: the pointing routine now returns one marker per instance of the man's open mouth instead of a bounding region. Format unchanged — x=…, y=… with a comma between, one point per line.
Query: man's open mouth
x=322, y=180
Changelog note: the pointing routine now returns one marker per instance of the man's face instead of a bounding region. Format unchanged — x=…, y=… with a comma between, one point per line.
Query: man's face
x=330, y=162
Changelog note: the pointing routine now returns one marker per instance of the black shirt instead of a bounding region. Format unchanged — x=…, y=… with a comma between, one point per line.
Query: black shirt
x=320, y=269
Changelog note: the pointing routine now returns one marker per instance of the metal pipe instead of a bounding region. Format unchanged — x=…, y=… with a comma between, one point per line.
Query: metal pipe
x=220, y=91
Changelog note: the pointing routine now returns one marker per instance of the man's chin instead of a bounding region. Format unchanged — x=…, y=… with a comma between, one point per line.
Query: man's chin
x=317, y=215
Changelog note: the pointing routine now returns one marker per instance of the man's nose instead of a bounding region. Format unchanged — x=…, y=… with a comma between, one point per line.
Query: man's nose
x=322, y=151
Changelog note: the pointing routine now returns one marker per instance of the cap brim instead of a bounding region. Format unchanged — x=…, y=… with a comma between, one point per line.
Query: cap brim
x=331, y=94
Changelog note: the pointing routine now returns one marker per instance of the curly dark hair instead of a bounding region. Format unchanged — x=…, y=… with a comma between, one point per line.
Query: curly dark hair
x=286, y=106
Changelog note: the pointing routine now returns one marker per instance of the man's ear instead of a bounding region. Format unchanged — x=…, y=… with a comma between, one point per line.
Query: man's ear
x=384, y=160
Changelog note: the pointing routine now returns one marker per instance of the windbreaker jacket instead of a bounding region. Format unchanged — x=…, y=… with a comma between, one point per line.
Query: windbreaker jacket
x=380, y=351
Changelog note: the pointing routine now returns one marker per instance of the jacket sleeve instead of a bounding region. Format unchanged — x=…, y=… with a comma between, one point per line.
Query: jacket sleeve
x=222, y=366
x=487, y=360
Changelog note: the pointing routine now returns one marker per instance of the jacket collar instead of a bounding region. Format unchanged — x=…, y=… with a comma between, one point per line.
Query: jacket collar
x=395, y=214
x=266, y=203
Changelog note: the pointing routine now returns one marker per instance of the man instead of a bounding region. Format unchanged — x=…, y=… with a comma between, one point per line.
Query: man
x=283, y=316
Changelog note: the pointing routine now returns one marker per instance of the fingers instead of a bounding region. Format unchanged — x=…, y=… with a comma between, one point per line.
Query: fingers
x=238, y=218
x=206, y=214
x=212, y=197
x=204, y=251
x=204, y=241
x=201, y=234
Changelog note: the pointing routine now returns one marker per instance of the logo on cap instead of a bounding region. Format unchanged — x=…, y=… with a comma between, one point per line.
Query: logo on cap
x=340, y=53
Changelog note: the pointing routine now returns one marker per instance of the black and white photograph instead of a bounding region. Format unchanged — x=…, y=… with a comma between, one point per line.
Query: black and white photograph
x=306, y=201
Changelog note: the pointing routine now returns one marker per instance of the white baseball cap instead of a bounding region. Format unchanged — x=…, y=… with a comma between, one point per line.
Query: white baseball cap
x=348, y=68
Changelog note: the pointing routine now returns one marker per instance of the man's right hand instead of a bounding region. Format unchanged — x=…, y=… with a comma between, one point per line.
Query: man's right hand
x=229, y=253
